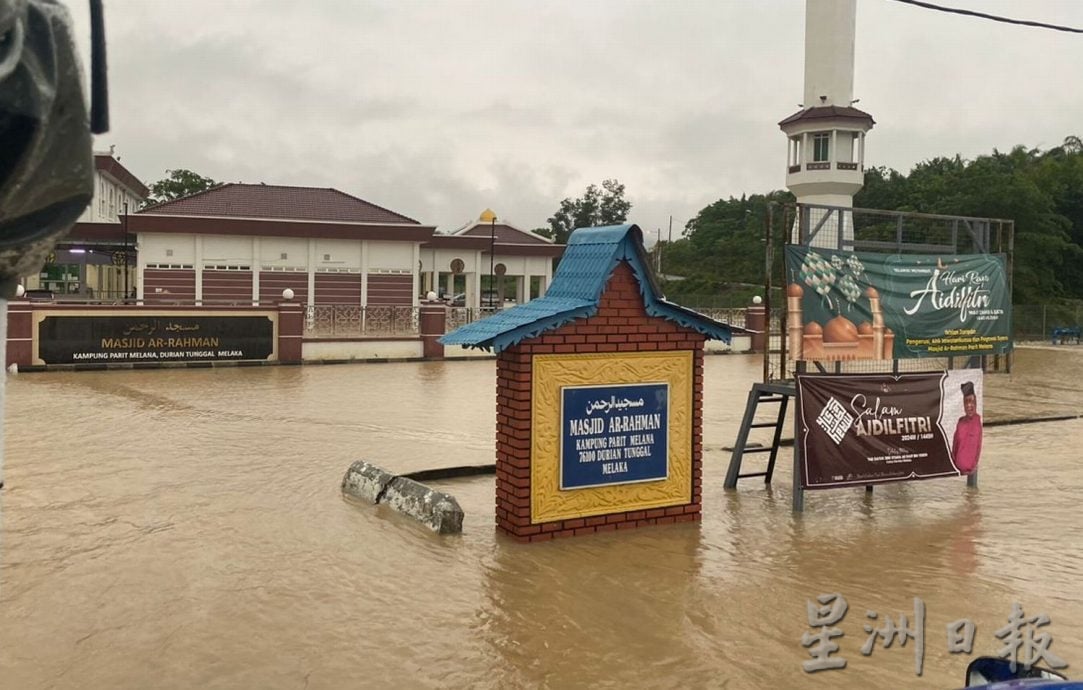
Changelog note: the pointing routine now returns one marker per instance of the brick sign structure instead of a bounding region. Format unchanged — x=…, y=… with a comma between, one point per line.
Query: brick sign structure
x=599, y=396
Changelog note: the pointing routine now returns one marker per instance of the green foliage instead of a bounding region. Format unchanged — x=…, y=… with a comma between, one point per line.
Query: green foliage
x=1042, y=191
x=722, y=252
x=597, y=206
x=703, y=293
x=178, y=183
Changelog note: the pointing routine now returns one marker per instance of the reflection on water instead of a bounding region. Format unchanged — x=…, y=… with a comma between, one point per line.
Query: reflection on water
x=1044, y=382
x=184, y=528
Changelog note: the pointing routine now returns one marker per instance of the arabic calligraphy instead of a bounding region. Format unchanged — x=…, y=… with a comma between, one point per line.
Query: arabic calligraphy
x=142, y=328
x=612, y=404
x=149, y=328
x=176, y=327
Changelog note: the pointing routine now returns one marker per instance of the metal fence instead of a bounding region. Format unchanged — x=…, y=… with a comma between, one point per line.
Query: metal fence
x=1038, y=321
x=728, y=315
x=701, y=302
x=460, y=316
x=869, y=230
x=352, y=321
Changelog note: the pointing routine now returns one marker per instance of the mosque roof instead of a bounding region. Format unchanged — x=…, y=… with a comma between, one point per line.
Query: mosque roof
x=591, y=256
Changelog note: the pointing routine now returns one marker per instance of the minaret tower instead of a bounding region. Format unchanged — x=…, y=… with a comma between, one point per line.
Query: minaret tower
x=826, y=138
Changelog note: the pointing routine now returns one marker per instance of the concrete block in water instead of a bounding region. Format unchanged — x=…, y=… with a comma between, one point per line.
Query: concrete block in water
x=436, y=510
x=366, y=482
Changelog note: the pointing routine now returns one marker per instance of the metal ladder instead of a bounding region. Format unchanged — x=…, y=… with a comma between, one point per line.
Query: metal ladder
x=761, y=393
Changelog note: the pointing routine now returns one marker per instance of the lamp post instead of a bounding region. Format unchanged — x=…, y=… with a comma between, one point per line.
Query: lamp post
x=488, y=215
x=125, y=298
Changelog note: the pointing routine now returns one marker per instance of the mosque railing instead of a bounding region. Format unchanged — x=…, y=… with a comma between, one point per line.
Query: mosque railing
x=373, y=321
x=733, y=316
x=460, y=316
x=355, y=321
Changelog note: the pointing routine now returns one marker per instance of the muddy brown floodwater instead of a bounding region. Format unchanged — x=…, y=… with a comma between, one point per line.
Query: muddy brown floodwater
x=184, y=528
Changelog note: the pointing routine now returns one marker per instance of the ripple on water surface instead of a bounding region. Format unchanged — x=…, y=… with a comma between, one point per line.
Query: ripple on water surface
x=184, y=528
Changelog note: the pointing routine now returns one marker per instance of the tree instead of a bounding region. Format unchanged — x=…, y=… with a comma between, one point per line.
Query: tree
x=884, y=188
x=179, y=183
x=604, y=206
x=1041, y=191
x=725, y=240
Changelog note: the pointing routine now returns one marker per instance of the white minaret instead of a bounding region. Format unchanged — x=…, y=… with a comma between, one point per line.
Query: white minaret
x=826, y=160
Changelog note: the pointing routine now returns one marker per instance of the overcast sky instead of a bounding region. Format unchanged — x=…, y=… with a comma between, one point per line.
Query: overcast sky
x=439, y=109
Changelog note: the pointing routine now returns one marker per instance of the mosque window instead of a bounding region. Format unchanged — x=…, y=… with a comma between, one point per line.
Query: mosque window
x=821, y=147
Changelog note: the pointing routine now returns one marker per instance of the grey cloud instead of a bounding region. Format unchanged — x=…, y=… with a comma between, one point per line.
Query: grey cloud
x=439, y=109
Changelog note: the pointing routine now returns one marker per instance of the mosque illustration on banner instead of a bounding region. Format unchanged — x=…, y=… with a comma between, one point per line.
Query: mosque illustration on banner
x=839, y=338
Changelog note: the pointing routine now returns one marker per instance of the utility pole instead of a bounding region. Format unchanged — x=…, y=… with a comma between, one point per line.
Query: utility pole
x=658, y=252
x=492, y=258
x=487, y=216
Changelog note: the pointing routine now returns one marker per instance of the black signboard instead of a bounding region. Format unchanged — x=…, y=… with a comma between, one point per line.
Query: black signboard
x=870, y=428
x=154, y=338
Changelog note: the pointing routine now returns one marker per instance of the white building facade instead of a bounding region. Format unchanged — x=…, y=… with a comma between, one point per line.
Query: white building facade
x=116, y=191
x=239, y=243
x=96, y=259
x=826, y=139
x=515, y=265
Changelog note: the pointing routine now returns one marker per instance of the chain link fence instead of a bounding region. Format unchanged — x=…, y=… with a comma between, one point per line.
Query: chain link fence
x=1037, y=322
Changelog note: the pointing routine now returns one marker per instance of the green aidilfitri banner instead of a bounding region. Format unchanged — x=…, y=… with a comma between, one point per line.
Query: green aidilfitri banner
x=847, y=306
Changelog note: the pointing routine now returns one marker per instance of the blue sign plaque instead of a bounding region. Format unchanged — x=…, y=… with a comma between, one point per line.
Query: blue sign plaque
x=614, y=434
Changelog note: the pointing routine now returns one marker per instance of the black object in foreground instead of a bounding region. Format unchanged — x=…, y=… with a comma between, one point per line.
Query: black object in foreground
x=46, y=162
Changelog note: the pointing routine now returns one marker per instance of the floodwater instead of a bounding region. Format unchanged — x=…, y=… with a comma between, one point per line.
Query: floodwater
x=184, y=528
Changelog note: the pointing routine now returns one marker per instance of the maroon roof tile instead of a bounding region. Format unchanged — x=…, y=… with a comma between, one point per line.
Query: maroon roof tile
x=93, y=234
x=505, y=234
x=482, y=241
x=276, y=227
x=456, y=242
x=828, y=112
x=239, y=200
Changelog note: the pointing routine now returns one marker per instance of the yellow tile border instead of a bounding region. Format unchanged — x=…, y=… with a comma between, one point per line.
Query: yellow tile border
x=552, y=372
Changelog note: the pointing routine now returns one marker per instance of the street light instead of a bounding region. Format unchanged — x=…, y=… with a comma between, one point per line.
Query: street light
x=487, y=216
x=125, y=297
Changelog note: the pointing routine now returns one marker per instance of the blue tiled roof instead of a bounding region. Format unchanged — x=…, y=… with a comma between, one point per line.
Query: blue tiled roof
x=591, y=256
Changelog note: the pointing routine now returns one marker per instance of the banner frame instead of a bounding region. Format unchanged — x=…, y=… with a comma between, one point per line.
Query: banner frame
x=799, y=481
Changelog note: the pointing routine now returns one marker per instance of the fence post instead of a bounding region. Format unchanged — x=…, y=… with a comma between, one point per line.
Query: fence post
x=291, y=328
x=432, y=323
x=756, y=320
x=20, y=335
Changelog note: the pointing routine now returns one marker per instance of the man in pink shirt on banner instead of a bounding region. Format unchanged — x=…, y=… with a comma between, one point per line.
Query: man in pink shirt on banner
x=966, y=446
